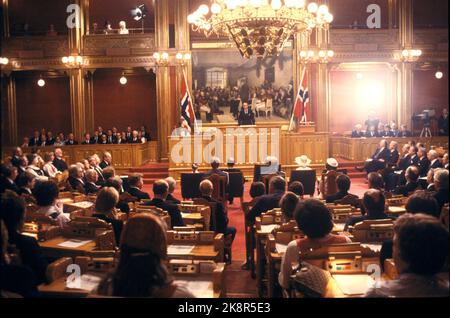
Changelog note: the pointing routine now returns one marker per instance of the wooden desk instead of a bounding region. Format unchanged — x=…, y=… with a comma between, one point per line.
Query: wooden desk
x=59, y=288
x=201, y=252
x=51, y=248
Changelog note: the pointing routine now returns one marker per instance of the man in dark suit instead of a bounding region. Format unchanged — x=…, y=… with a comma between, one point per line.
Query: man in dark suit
x=107, y=160
x=386, y=132
x=87, y=139
x=411, y=175
x=129, y=134
x=371, y=132
x=394, y=130
x=215, y=164
x=443, y=123
x=160, y=192
x=145, y=133
x=58, y=162
x=7, y=179
x=424, y=162
x=441, y=183
x=404, y=132
x=90, y=185
x=379, y=158
x=413, y=157
x=246, y=116
x=94, y=160
x=221, y=226
x=135, y=186
x=357, y=133
x=433, y=157
x=17, y=154
x=103, y=140
x=96, y=138
x=135, y=138
x=277, y=188
x=172, y=185
x=71, y=140
x=393, y=154
x=35, y=141
x=50, y=138
x=110, y=138
x=343, y=183
x=76, y=175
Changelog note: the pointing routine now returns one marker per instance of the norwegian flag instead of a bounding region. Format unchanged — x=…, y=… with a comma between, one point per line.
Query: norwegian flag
x=187, y=108
x=301, y=107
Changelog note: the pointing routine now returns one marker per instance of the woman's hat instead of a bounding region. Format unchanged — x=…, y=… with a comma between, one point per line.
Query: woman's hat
x=332, y=162
x=145, y=232
x=303, y=161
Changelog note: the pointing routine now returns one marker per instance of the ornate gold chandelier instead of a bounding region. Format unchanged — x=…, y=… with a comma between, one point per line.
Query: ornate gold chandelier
x=259, y=27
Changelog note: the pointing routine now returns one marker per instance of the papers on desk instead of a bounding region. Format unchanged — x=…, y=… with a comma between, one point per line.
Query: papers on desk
x=339, y=227
x=66, y=200
x=179, y=249
x=74, y=243
x=200, y=289
x=353, y=284
x=374, y=247
x=281, y=248
x=268, y=228
x=83, y=204
x=84, y=282
x=396, y=209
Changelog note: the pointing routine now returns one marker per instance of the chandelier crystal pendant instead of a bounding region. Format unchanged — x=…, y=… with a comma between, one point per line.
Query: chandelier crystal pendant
x=259, y=27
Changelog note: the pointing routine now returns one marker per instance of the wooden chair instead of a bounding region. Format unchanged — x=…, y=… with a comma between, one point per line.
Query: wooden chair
x=266, y=180
x=373, y=231
x=269, y=106
x=190, y=183
x=307, y=178
x=236, y=185
x=219, y=187
x=211, y=224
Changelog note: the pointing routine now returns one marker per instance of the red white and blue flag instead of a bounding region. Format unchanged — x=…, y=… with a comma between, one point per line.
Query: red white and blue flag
x=187, y=108
x=301, y=110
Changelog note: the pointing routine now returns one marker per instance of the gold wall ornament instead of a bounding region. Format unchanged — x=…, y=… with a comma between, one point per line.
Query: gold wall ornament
x=260, y=27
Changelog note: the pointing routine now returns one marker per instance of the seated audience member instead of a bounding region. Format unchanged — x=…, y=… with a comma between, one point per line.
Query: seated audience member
x=71, y=140
x=343, y=184
x=303, y=162
x=393, y=154
x=215, y=164
x=372, y=132
x=25, y=142
x=141, y=271
x=135, y=182
x=26, y=182
x=59, y=162
x=43, y=140
x=430, y=181
x=145, y=134
x=424, y=162
x=124, y=197
x=13, y=216
x=90, y=186
x=160, y=192
x=394, y=129
x=277, y=188
x=445, y=161
x=58, y=142
x=374, y=205
x=135, y=138
x=129, y=134
x=85, y=164
x=172, y=185
x=288, y=203
x=419, y=202
x=23, y=164
x=411, y=175
x=103, y=140
x=120, y=138
x=108, y=173
x=75, y=180
x=35, y=141
x=386, y=132
x=49, y=168
x=404, y=132
x=107, y=199
x=87, y=139
x=221, y=226
x=7, y=179
x=107, y=160
x=379, y=158
x=433, y=157
x=297, y=188
x=94, y=160
x=357, y=132
x=315, y=221
x=441, y=184
x=15, y=280
x=375, y=181
x=257, y=190
x=46, y=194
x=420, y=251
x=17, y=154
x=34, y=167
x=110, y=138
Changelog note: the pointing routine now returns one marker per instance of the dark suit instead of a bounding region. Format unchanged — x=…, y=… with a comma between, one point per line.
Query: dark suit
x=356, y=134
x=246, y=118
x=6, y=184
x=407, y=188
x=30, y=255
x=76, y=184
x=385, y=133
x=371, y=134
x=331, y=198
x=88, y=142
x=413, y=161
x=15, y=161
x=34, y=142
x=91, y=188
x=172, y=199
x=443, y=126
x=104, y=164
x=221, y=225
x=95, y=140
x=377, y=163
x=424, y=166
x=265, y=203
x=60, y=164
x=71, y=142
x=172, y=209
x=404, y=162
x=436, y=164
x=404, y=134
x=140, y=195
x=393, y=158
x=117, y=225
x=50, y=142
x=111, y=139
x=135, y=140
x=442, y=198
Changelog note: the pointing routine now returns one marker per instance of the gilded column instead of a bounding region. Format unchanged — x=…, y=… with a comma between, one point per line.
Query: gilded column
x=77, y=105
x=5, y=4
x=323, y=93
x=12, y=111
x=89, y=100
x=162, y=79
x=76, y=34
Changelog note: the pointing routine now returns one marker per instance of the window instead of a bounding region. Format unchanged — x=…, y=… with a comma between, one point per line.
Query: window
x=216, y=77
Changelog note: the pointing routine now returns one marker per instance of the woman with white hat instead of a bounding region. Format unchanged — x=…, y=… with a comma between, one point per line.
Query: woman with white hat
x=303, y=162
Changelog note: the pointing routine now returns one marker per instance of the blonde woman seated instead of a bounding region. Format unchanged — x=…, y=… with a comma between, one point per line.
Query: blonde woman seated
x=107, y=199
x=34, y=167
x=303, y=162
x=49, y=168
x=142, y=271
x=314, y=220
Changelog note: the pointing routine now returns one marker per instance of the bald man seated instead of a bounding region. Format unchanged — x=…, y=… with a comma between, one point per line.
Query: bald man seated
x=412, y=184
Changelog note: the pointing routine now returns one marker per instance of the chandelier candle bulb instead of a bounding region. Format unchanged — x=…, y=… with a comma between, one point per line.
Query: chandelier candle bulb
x=312, y=7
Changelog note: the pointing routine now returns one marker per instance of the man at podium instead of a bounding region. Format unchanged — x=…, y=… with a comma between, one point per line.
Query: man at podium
x=246, y=116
